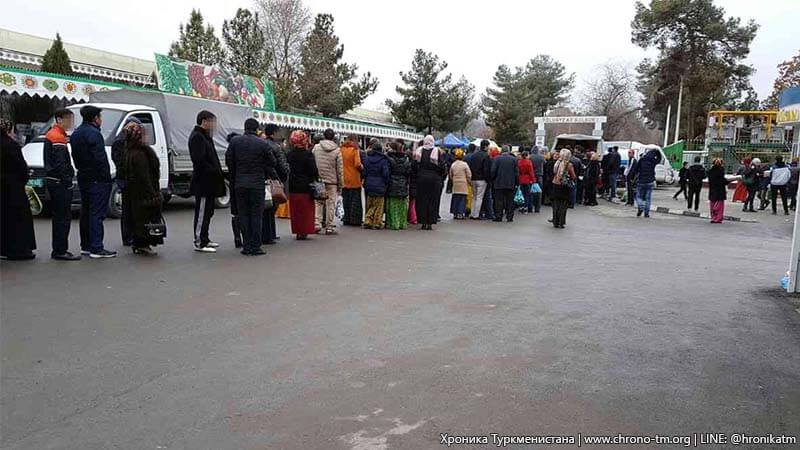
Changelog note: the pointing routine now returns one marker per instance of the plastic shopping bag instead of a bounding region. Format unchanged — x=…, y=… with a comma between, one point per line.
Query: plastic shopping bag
x=340, y=208
x=536, y=189
x=519, y=199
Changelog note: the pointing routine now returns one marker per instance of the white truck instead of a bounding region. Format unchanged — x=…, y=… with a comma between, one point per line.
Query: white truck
x=168, y=119
x=665, y=174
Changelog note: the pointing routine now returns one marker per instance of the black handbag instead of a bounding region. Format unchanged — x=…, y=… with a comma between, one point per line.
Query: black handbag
x=156, y=228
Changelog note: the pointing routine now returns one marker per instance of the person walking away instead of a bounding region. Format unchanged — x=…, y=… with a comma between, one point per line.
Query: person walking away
x=605, y=172
x=548, y=175
x=505, y=180
x=527, y=177
x=234, y=208
x=563, y=180
x=577, y=190
x=697, y=173
x=17, y=238
x=683, y=180
x=331, y=171
x=590, y=178
x=645, y=173
x=537, y=159
x=717, y=191
x=249, y=160
x=614, y=162
x=430, y=170
x=351, y=190
x=94, y=181
x=376, y=180
x=461, y=176
x=269, y=230
x=59, y=173
x=750, y=182
x=630, y=179
x=480, y=166
x=302, y=172
x=142, y=172
x=397, y=191
x=779, y=184
x=764, y=179
x=208, y=182
x=118, y=156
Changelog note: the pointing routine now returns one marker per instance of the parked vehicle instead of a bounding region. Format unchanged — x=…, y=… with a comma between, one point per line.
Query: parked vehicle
x=587, y=141
x=665, y=174
x=168, y=119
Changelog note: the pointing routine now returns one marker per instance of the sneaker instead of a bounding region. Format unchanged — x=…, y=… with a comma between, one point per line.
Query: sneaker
x=103, y=254
x=145, y=251
x=212, y=244
x=205, y=249
x=331, y=231
x=85, y=252
x=66, y=256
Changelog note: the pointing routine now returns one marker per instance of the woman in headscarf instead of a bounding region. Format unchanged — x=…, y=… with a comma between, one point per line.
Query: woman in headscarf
x=563, y=182
x=351, y=192
x=717, y=190
x=462, y=178
x=17, y=238
x=376, y=179
x=142, y=174
x=118, y=156
x=302, y=172
x=412, y=191
x=430, y=169
x=397, y=193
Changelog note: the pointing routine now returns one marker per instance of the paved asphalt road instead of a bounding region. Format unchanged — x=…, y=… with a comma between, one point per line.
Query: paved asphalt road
x=384, y=340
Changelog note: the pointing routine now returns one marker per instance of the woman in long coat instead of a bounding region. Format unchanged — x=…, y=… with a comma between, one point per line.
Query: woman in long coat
x=461, y=177
x=717, y=191
x=430, y=168
x=143, y=173
x=563, y=183
x=302, y=172
x=397, y=192
x=17, y=239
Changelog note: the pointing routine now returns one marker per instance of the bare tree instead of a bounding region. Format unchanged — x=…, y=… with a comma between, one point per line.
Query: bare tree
x=611, y=92
x=286, y=23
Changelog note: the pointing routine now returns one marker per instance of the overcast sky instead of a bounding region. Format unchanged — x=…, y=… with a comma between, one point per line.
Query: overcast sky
x=381, y=36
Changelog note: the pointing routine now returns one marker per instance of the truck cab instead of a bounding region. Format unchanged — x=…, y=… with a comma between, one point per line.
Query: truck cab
x=665, y=174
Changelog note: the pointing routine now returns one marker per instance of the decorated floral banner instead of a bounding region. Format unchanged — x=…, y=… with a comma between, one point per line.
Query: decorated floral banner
x=49, y=85
x=178, y=76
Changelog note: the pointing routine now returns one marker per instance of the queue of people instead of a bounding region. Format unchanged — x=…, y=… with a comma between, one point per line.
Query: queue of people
x=317, y=184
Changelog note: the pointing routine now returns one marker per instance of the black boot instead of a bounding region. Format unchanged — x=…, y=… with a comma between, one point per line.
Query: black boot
x=237, y=232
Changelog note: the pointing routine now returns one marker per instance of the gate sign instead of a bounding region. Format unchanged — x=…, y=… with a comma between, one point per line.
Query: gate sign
x=570, y=119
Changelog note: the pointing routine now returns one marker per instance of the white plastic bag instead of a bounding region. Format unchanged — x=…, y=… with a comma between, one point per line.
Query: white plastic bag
x=340, y=208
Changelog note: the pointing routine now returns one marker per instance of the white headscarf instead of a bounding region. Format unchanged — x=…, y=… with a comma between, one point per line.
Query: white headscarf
x=428, y=143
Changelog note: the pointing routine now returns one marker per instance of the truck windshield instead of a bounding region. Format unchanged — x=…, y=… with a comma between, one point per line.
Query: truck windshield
x=111, y=119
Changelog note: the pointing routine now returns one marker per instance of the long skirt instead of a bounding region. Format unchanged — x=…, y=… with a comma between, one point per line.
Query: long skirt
x=717, y=210
x=17, y=238
x=469, y=199
x=740, y=194
x=397, y=213
x=429, y=190
x=351, y=201
x=458, y=205
x=412, y=211
x=374, y=217
x=302, y=213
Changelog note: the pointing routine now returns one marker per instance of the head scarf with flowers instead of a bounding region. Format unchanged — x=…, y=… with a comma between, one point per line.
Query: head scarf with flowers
x=298, y=139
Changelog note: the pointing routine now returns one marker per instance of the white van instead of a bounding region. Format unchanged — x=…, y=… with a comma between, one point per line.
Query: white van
x=665, y=174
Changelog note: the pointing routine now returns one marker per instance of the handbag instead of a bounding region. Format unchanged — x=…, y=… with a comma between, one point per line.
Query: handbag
x=268, y=195
x=278, y=192
x=157, y=227
x=318, y=190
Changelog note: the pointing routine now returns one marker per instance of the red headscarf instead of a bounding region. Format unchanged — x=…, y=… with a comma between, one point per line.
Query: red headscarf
x=298, y=139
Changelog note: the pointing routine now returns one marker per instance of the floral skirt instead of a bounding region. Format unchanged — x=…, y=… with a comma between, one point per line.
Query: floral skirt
x=397, y=213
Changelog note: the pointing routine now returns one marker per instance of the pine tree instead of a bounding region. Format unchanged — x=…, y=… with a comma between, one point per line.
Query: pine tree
x=56, y=59
x=326, y=84
x=424, y=90
x=197, y=42
x=788, y=76
x=245, y=49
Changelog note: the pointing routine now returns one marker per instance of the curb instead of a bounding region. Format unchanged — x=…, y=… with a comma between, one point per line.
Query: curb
x=690, y=213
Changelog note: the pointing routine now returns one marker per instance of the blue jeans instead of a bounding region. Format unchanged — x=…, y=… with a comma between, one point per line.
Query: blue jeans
x=94, y=207
x=644, y=195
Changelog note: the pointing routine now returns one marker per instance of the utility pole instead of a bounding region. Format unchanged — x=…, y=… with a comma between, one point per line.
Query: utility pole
x=678, y=115
x=666, y=127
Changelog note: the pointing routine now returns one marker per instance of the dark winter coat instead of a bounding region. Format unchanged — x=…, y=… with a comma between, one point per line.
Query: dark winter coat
x=207, y=177
x=17, y=236
x=89, y=154
x=645, y=170
x=302, y=171
x=400, y=173
x=250, y=161
x=505, y=172
x=480, y=165
x=592, y=173
x=376, y=173
x=142, y=176
x=57, y=163
x=538, y=165
x=697, y=173
x=614, y=162
x=717, y=184
x=683, y=175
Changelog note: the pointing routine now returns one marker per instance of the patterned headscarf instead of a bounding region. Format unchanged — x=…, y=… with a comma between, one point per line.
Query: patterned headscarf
x=299, y=139
x=459, y=153
x=133, y=132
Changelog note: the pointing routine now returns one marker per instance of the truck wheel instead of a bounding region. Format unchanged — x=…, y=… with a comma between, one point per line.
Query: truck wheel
x=224, y=202
x=115, y=202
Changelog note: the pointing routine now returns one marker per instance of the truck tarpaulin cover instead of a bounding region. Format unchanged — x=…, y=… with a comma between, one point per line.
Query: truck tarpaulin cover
x=179, y=114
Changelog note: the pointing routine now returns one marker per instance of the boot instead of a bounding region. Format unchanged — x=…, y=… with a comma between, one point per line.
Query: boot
x=237, y=232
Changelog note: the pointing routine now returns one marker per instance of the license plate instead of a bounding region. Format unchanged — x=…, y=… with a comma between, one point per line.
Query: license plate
x=36, y=182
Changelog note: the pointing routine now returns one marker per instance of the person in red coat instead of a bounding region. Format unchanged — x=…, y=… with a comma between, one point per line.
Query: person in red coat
x=527, y=177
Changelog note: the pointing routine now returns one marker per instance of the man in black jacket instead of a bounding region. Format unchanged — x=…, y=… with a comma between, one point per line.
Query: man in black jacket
x=59, y=173
x=505, y=180
x=207, y=182
x=630, y=177
x=249, y=160
x=481, y=167
x=269, y=232
x=614, y=163
x=697, y=173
